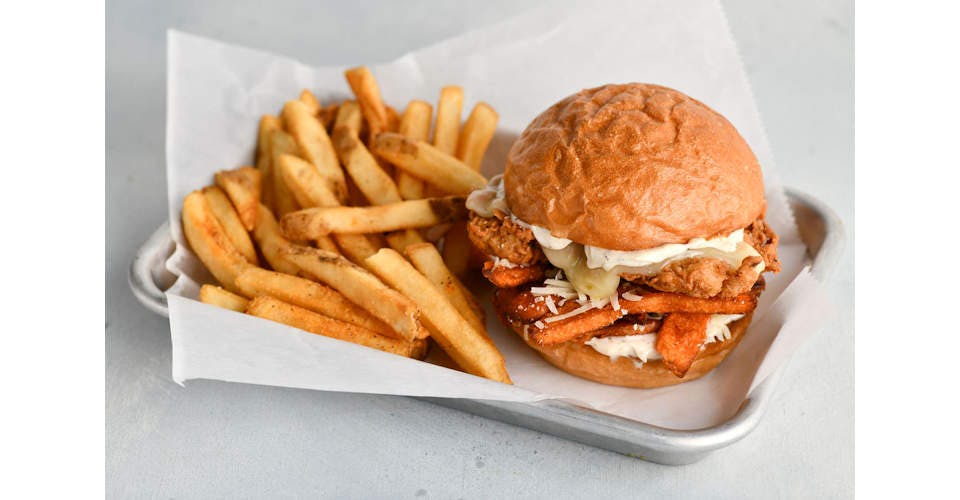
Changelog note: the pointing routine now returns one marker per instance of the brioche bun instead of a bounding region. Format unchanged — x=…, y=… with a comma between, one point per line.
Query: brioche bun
x=584, y=361
x=633, y=166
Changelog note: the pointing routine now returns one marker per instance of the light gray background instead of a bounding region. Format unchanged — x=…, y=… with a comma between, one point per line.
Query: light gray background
x=214, y=439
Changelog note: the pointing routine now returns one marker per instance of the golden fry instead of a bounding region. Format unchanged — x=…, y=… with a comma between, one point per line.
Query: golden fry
x=356, y=247
x=271, y=241
x=476, y=135
x=276, y=310
x=428, y=261
x=216, y=296
x=364, y=86
x=470, y=348
x=447, y=129
x=428, y=163
x=315, y=222
x=209, y=241
x=268, y=123
x=314, y=145
x=311, y=101
x=305, y=183
x=230, y=222
x=363, y=168
x=400, y=240
x=243, y=185
x=361, y=288
x=415, y=125
x=281, y=143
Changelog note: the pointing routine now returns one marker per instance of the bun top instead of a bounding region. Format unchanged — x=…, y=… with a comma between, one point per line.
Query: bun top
x=633, y=166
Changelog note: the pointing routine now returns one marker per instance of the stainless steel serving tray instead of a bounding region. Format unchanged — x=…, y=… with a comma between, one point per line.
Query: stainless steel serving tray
x=820, y=229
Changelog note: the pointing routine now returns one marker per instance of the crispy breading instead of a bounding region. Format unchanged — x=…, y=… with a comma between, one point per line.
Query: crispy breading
x=504, y=238
x=508, y=277
x=680, y=339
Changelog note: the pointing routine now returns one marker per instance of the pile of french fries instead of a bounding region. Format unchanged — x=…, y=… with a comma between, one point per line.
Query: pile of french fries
x=335, y=230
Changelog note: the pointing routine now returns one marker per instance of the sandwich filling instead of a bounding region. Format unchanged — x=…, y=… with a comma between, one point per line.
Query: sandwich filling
x=642, y=348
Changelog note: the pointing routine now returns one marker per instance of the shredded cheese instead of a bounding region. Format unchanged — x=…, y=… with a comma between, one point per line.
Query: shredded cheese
x=560, y=317
x=632, y=297
x=550, y=305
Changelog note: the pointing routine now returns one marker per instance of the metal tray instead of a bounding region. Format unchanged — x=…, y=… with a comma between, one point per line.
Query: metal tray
x=820, y=229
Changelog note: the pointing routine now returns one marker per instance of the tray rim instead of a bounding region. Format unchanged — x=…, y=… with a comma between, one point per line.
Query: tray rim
x=658, y=444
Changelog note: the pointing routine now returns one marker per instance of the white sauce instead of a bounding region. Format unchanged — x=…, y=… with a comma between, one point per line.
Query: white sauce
x=642, y=347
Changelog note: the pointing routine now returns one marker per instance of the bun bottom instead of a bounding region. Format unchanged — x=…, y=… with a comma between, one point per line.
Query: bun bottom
x=585, y=362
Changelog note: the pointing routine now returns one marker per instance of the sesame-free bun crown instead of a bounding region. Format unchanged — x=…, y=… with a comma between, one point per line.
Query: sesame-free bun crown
x=633, y=166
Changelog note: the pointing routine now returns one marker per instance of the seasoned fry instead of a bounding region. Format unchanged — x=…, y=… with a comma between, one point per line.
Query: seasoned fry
x=455, y=335
x=309, y=295
x=305, y=183
x=680, y=339
x=476, y=135
x=311, y=101
x=314, y=145
x=664, y=302
x=271, y=241
x=456, y=249
x=428, y=163
x=230, y=222
x=415, y=125
x=364, y=86
x=216, y=296
x=243, y=186
x=210, y=242
x=268, y=123
x=428, y=261
x=315, y=222
x=281, y=143
x=356, y=247
x=447, y=128
x=349, y=118
x=400, y=240
x=277, y=310
x=361, y=288
x=363, y=168
x=509, y=277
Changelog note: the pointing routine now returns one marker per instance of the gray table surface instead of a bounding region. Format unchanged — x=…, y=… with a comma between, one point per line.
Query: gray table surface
x=214, y=439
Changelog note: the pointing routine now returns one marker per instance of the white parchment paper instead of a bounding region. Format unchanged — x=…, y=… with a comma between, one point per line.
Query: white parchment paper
x=217, y=92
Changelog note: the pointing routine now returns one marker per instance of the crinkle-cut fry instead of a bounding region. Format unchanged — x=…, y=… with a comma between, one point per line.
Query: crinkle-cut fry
x=311, y=101
x=476, y=135
x=356, y=247
x=456, y=249
x=469, y=348
x=429, y=262
x=365, y=88
x=282, y=312
x=315, y=222
x=310, y=295
x=305, y=183
x=268, y=123
x=271, y=241
x=230, y=222
x=680, y=339
x=314, y=145
x=209, y=241
x=375, y=184
x=665, y=302
x=447, y=129
x=216, y=296
x=360, y=287
x=571, y=328
x=400, y=240
x=243, y=186
x=281, y=143
x=428, y=163
x=509, y=277
x=414, y=124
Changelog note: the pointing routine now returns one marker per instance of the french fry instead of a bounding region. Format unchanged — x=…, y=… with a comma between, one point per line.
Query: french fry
x=349, y=117
x=305, y=183
x=282, y=312
x=428, y=261
x=393, y=119
x=456, y=249
x=326, y=243
x=363, y=168
x=455, y=335
x=216, y=296
x=361, y=288
x=328, y=114
x=271, y=241
x=230, y=222
x=476, y=135
x=356, y=247
x=315, y=222
x=314, y=144
x=311, y=101
x=447, y=129
x=364, y=86
x=430, y=164
x=415, y=125
x=310, y=295
x=281, y=143
x=400, y=240
x=243, y=185
x=209, y=241
x=680, y=338
x=268, y=123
